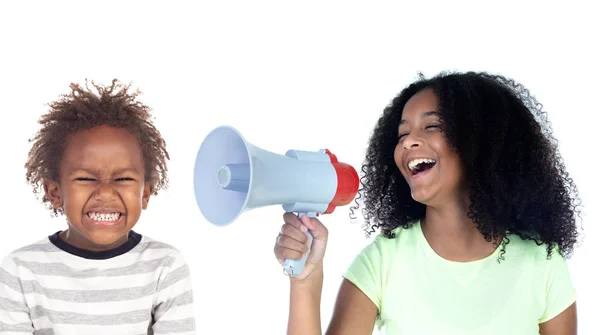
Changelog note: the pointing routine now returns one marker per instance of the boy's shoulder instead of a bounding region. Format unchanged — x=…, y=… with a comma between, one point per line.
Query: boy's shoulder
x=30, y=252
x=41, y=245
x=163, y=255
x=150, y=245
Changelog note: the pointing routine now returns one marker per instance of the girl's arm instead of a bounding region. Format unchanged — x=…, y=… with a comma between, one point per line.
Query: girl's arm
x=354, y=312
x=564, y=323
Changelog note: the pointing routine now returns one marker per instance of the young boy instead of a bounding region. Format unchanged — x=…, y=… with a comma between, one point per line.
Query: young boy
x=98, y=159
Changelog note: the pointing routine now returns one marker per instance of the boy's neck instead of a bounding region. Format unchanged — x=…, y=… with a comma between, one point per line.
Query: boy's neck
x=87, y=253
x=76, y=239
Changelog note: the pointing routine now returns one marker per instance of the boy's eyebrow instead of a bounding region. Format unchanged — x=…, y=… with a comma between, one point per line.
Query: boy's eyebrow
x=91, y=171
x=126, y=170
x=424, y=115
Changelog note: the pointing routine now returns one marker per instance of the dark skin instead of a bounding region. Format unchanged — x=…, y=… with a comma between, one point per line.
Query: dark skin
x=446, y=227
x=102, y=171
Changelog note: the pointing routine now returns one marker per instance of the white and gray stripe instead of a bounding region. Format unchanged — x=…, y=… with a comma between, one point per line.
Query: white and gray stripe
x=49, y=290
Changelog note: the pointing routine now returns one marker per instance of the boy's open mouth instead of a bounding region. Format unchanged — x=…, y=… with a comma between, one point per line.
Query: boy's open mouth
x=105, y=218
x=419, y=165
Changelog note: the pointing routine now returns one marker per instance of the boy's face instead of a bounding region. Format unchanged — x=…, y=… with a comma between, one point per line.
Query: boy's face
x=102, y=187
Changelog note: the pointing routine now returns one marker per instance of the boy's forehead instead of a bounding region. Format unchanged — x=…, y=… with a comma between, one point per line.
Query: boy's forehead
x=102, y=136
x=103, y=132
x=102, y=147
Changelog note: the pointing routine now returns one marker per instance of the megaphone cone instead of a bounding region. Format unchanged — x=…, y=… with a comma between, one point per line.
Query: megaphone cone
x=231, y=176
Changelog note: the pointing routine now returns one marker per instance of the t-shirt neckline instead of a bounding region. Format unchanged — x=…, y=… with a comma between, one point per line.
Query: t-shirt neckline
x=424, y=244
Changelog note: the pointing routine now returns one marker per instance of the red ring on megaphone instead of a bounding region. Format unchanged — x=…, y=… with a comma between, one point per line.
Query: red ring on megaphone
x=347, y=183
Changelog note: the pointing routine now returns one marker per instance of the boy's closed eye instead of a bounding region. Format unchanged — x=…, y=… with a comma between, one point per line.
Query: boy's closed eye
x=88, y=179
x=85, y=179
x=125, y=179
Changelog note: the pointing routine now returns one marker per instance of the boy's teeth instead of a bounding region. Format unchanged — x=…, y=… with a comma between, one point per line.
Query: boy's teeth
x=415, y=162
x=104, y=216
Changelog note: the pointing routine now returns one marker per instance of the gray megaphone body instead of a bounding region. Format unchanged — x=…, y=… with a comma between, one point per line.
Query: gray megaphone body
x=232, y=176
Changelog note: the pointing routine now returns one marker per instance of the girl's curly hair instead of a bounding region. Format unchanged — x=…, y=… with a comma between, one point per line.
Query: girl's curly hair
x=83, y=109
x=518, y=183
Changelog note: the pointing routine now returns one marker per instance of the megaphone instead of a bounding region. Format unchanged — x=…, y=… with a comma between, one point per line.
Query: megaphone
x=232, y=176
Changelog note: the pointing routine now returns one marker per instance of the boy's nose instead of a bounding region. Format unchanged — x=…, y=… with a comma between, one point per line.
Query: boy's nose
x=106, y=191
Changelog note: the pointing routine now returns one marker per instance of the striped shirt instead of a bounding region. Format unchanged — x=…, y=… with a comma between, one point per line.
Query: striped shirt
x=53, y=288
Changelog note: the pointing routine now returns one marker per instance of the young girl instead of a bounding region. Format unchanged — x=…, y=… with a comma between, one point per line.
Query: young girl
x=477, y=213
x=98, y=159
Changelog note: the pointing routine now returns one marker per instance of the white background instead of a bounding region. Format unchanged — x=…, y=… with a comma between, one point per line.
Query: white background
x=302, y=75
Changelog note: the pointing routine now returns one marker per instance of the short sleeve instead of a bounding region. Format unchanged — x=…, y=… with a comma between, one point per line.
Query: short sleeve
x=365, y=271
x=560, y=291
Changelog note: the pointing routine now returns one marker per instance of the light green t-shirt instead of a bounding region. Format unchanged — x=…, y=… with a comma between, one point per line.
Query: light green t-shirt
x=418, y=292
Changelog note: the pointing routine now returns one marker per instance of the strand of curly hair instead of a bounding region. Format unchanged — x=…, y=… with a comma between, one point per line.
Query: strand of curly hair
x=81, y=109
x=518, y=183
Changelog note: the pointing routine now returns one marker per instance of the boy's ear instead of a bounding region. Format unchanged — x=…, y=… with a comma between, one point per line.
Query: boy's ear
x=148, y=190
x=53, y=193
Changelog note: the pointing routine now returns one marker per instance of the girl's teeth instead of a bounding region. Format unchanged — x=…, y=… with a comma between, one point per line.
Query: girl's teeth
x=415, y=162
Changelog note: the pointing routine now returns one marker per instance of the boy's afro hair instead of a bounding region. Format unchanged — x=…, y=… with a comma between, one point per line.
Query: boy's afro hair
x=83, y=109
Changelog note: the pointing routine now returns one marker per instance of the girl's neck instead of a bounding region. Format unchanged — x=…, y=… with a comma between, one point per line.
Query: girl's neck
x=452, y=234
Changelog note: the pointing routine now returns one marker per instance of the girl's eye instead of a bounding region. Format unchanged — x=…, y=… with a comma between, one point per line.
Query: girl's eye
x=124, y=179
x=432, y=126
x=85, y=179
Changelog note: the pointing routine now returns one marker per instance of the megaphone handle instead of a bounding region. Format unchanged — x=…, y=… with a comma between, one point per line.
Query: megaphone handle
x=293, y=267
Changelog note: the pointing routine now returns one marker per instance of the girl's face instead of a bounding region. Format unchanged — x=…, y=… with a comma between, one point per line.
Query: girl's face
x=430, y=166
x=102, y=188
